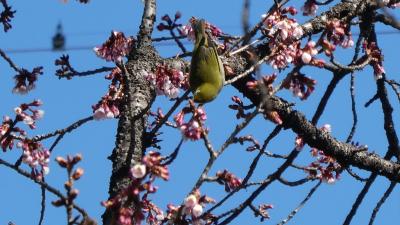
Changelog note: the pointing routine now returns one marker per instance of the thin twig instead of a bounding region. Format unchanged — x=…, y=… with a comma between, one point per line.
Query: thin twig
x=294, y=183
x=248, y=71
x=241, y=49
x=297, y=209
x=237, y=129
x=169, y=159
x=395, y=86
x=85, y=73
x=251, y=170
x=178, y=42
x=42, y=184
x=168, y=38
x=42, y=204
x=356, y=176
x=169, y=113
x=381, y=201
x=68, y=129
x=393, y=149
x=10, y=62
x=353, y=109
x=60, y=133
x=373, y=99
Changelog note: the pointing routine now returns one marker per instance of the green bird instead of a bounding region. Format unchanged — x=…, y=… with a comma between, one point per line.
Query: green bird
x=207, y=74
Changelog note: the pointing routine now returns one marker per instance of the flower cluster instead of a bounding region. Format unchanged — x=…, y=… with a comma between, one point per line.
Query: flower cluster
x=187, y=30
x=265, y=87
x=27, y=114
x=73, y=175
x=108, y=106
x=325, y=167
x=228, y=179
x=65, y=69
x=248, y=138
x=194, y=127
x=300, y=85
x=263, y=211
x=375, y=53
x=7, y=140
x=143, y=175
x=169, y=23
x=283, y=33
x=307, y=54
x=239, y=107
x=36, y=157
x=25, y=80
x=193, y=206
x=309, y=8
x=6, y=15
x=168, y=80
x=116, y=47
x=337, y=33
x=125, y=214
x=155, y=168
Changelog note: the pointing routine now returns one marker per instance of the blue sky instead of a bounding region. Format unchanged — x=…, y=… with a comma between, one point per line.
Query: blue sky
x=66, y=101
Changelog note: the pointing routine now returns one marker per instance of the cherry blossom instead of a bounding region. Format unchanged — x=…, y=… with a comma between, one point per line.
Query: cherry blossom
x=283, y=33
x=25, y=80
x=192, y=129
x=309, y=8
x=168, y=80
x=116, y=47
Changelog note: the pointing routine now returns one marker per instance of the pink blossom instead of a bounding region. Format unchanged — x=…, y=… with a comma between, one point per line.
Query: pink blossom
x=35, y=156
x=168, y=80
x=23, y=114
x=306, y=57
x=229, y=179
x=326, y=128
x=138, y=171
x=153, y=163
x=190, y=201
x=191, y=130
x=299, y=143
x=103, y=111
x=309, y=8
x=263, y=209
x=372, y=50
x=300, y=85
x=197, y=210
x=283, y=33
x=124, y=216
x=25, y=80
x=339, y=34
x=308, y=52
x=116, y=47
x=188, y=31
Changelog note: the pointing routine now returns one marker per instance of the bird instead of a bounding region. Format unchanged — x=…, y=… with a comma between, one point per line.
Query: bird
x=207, y=74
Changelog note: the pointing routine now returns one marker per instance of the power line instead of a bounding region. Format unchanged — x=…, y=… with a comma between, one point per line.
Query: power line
x=167, y=43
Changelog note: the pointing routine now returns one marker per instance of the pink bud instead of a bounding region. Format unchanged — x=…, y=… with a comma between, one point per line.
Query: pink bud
x=197, y=210
x=190, y=201
x=306, y=57
x=138, y=171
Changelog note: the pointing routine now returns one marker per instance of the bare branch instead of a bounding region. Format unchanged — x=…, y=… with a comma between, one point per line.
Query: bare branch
x=297, y=209
x=10, y=62
x=42, y=184
x=381, y=202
